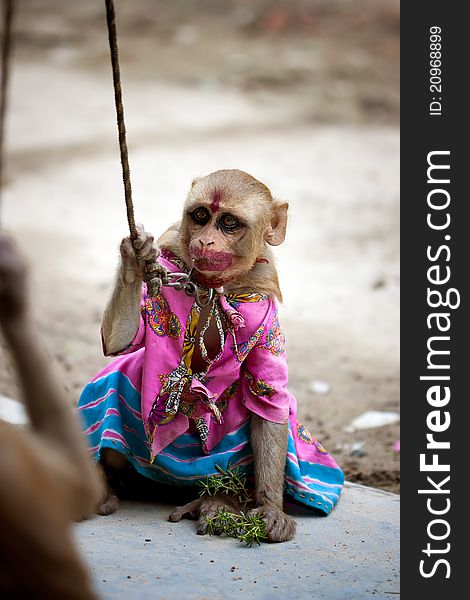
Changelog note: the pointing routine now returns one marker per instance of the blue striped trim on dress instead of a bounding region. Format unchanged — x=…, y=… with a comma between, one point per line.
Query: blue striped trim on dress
x=110, y=408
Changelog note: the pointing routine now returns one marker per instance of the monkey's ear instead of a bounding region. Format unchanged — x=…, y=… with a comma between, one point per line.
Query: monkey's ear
x=276, y=232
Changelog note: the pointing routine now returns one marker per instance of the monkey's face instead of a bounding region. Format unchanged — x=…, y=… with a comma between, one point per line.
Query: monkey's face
x=216, y=244
x=227, y=219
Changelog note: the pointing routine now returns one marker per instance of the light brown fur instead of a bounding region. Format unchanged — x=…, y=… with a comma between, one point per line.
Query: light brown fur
x=122, y=313
x=263, y=223
x=47, y=478
x=205, y=508
x=266, y=220
x=269, y=443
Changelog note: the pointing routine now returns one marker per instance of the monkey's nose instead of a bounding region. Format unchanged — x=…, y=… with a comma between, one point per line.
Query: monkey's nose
x=205, y=243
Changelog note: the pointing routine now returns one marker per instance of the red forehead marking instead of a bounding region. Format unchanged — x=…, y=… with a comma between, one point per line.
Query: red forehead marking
x=216, y=198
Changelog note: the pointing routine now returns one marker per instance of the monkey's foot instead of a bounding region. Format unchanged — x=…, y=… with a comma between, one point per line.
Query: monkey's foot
x=279, y=526
x=108, y=503
x=203, y=508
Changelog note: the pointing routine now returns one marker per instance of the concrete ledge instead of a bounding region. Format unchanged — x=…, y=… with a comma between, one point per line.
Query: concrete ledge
x=351, y=554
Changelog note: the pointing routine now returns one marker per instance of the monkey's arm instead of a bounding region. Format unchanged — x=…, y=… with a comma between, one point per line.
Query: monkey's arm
x=266, y=396
x=47, y=408
x=269, y=442
x=51, y=416
x=121, y=318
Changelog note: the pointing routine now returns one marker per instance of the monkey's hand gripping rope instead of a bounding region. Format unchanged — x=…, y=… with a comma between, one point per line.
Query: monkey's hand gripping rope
x=156, y=276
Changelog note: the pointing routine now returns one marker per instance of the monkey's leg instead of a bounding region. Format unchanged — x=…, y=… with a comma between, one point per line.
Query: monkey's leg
x=269, y=443
x=203, y=508
x=108, y=503
x=113, y=466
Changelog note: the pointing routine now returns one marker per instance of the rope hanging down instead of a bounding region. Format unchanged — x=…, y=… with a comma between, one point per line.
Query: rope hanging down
x=5, y=62
x=153, y=271
x=126, y=175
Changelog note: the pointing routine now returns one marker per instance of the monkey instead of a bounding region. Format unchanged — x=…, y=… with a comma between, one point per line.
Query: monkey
x=202, y=376
x=48, y=479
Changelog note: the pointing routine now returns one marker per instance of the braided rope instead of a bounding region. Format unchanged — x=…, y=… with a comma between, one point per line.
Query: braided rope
x=126, y=175
x=5, y=62
x=153, y=271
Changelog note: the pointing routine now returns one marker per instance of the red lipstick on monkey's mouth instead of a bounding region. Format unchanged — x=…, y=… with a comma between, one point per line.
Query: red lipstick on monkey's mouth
x=209, y=260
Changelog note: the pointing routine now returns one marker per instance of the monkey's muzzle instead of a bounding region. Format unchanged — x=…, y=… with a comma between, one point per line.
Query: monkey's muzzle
x=211, y=261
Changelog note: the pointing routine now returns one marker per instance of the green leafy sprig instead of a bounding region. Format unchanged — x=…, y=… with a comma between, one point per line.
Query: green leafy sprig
x=246, y=528
x=230, y=482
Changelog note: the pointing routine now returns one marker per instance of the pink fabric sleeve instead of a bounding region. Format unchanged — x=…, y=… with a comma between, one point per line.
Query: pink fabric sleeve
x=264, y=373
x=138, y=341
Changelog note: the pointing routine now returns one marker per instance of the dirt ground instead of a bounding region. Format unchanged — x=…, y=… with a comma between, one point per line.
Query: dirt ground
x=303, y=95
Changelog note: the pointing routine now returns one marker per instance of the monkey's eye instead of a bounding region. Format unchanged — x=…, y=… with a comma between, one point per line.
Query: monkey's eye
x=229, y=222
x=200, y=216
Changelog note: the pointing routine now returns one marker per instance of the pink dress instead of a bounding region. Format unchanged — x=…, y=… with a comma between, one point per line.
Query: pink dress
x=177, y=426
